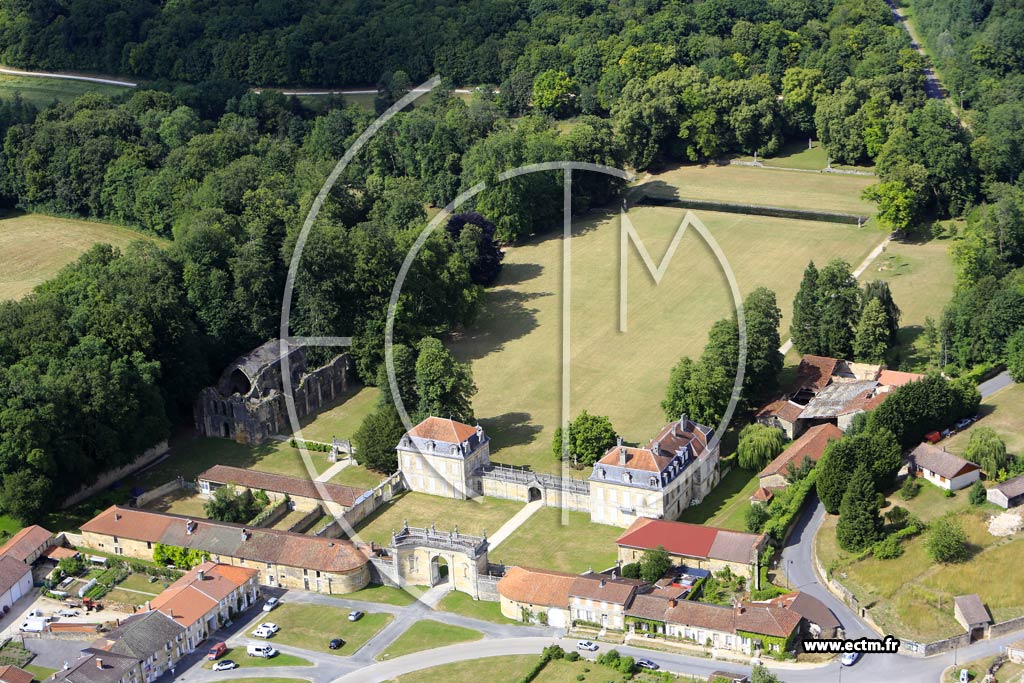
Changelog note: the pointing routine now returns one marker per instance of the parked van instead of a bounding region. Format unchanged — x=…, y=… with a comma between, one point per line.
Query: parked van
x=34, y=625
x=216, y=651
x=260, y=650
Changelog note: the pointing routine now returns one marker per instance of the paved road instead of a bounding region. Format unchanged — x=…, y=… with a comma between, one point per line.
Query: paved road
x=932, y=86
x=991, y=386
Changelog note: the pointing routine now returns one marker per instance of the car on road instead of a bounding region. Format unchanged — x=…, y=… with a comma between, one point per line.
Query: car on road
x=647, y=664
x=270, y=626
x=964, y=423
x=849, y=658
x=337, y=643
x=586, y=645
x=261, y=632
x=270, y=604
x=355, y=616
x=225, y=665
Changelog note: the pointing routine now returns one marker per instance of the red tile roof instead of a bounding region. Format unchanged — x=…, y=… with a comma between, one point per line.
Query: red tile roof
x=762, y=495
x=815, y=372
x=636, y=459
x=537, y=586
x=783, y=408
x=58, y=553
x=12, y=570
x=280, y=483
x=443, y=430
x=26, y=542
x=222, y=538
x=691, y=540
x=895, y=378
x=12, y=674
x=811, y=444
x=766, y=620
x=189, y=599
x=603, y=589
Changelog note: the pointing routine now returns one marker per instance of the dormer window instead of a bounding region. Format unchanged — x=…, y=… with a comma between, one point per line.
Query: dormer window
x=653, y=481
x=601, y=473
x=627, y=477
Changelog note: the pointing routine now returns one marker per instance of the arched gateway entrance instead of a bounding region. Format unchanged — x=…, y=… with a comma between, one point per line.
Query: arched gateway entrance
x=428, y=557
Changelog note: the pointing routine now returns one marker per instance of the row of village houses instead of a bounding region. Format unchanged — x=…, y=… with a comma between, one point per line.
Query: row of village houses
x=146, y=644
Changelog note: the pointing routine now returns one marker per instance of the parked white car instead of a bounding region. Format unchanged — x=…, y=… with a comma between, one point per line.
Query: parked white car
x=261, y=632
x=270, y=604
x=270, y=626
x=586, y=645
x=260, y=650
x=225, y=665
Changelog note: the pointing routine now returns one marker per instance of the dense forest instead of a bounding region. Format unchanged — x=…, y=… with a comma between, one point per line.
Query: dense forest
x=103, y=360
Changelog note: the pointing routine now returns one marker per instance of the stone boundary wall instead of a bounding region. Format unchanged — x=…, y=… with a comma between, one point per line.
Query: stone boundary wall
x=910, y=647
x=148, y=497
x=303, y=525
x=110, y=476
x=367, y=504
x=270, y=517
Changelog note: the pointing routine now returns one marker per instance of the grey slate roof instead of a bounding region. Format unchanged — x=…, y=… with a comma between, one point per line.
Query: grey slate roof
x=142, y=635
x=833, y=400
x=1012, y=488
x=87, y=670
x=972, y=609
x=942, y=463
x=12, y=571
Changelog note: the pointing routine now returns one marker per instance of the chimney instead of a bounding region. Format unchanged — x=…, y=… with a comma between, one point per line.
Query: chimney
x=245, y=534
x=99, y=663
x=613, y=575
x=672, y=602
x=601, y=584
x=117, y=516
x=200, y=575
x=149, y=607
x=618, y=440
x=622, y=457
x=170, y=612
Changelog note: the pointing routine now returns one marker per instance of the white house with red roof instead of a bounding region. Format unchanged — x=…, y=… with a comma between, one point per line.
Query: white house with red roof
x=443, y=457
x=677, y=468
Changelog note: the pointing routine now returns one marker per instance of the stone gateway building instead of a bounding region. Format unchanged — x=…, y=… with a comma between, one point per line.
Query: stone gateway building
x=248, y=404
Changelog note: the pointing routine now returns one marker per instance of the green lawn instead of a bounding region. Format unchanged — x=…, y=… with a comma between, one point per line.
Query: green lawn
x=421, y=510
x=911, y=596
x=726, y=504
x=515, y=346
x=545, y=543
x=922, y=279
x=312, y=627
x=464, y=604
x=244, y=661
x=33, y=247
x=427, y=635
x=181, y=502
x=359, y=476
x=39, y=673
x=343, y=418
x=1002, y=412
x=743, y=184
x=43, y=91
x=383, y=594
x=796, y=154
x=508, y=669
x=141, y=583
x=192, y=455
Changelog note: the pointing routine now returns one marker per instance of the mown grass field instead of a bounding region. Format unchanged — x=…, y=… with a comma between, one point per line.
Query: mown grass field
x=464, y=604
x=343, y=418
x=797, y=154
x=422, y=510
x=428, y=635
x=515, y=345
x=1002, y=412
x=911, y=596
x=922, y=278
x=507, y=669
x=544, y=542
x=311, y=627
x=42, y=92
x=33, y=247
x=766, y=186
x=725, y=506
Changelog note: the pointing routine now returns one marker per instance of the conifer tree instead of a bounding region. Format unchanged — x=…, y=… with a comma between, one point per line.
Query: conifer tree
x=859, y=521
